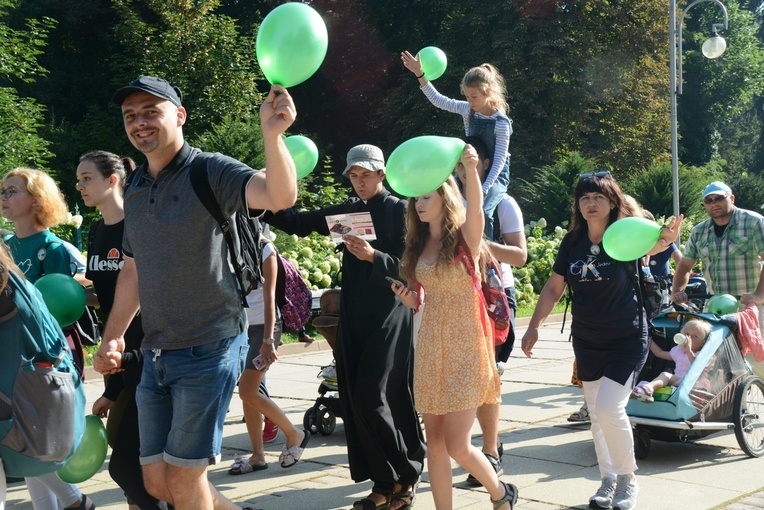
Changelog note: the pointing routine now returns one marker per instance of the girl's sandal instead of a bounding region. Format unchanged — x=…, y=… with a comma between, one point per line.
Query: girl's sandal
x=510, y=496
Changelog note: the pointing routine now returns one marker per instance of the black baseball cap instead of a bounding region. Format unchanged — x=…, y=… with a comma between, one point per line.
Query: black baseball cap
x=154, y=86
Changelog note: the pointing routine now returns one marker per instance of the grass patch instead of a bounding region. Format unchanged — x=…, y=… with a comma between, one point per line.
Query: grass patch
x=527, y=310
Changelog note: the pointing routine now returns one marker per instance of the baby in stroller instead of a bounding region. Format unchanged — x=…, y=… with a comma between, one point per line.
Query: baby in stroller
x=695, y=332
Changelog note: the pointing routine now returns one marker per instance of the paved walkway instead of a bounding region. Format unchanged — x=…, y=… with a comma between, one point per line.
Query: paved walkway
x=550, y=460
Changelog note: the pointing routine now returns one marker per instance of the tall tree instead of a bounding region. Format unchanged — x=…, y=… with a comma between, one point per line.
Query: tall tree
x=21, y=117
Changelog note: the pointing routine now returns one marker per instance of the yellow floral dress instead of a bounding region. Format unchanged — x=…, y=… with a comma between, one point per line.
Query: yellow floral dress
x=454, y=364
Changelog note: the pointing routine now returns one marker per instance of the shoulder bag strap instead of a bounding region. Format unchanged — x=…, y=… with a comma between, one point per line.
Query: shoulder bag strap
x=464, y=255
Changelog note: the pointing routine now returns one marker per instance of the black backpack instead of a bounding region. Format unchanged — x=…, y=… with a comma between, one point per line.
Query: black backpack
x=246, y=255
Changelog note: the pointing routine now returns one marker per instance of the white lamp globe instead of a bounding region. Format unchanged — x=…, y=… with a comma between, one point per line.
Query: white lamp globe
x=714, y=46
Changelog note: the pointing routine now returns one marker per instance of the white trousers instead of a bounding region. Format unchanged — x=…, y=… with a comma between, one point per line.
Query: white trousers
x=611, y=430
x=45, y=491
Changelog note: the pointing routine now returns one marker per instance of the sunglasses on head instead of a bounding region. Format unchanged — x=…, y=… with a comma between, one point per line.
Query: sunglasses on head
x=601, y=174
x=713, y=199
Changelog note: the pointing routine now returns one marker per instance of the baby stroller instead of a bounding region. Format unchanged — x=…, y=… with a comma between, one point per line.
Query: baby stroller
x=322, y=416
x=717, y=393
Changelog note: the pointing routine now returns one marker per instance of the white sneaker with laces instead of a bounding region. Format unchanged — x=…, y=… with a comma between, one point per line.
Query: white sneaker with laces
x=626, y=490
x=603, y=498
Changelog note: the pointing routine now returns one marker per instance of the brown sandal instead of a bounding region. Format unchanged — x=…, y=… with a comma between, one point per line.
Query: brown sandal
x=368, y=504
x=407, y=495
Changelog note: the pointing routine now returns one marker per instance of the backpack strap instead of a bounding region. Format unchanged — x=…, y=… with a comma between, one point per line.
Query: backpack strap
x=637, y=279
x=201, y=184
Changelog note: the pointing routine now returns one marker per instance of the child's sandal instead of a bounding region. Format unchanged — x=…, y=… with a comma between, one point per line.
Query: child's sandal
x=510, y=496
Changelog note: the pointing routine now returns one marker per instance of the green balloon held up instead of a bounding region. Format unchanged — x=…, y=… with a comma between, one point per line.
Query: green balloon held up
x=64, y=297
x=304, y=153
x=291, y=44
x=722, y=304
x=630, y=238
x=420, y=165
x=88, y=458
x=433, y=62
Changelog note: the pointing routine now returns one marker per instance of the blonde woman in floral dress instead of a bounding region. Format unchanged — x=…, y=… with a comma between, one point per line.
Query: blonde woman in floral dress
x=454, y=366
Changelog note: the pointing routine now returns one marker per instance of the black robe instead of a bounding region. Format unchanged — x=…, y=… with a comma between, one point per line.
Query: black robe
x=374, y=350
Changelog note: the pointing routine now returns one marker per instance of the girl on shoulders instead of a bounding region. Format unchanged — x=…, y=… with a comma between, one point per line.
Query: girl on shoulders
x=485, y=115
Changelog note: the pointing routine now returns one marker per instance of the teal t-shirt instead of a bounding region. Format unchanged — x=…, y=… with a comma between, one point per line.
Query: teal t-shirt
x=40, y=254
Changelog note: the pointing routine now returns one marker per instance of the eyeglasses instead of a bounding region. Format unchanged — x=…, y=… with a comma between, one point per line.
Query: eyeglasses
x=599, y=175
x=714, y=199
x=9, y=192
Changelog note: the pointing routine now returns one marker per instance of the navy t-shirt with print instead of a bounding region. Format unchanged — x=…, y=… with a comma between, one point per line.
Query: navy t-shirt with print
x=606, y=325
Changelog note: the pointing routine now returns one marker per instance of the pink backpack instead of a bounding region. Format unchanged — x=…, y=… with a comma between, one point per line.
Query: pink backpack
x=293, y=297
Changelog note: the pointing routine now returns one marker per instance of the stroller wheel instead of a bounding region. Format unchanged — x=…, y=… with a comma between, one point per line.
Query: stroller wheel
x=641, y=443
x=326, y=421
x=749, y=412
x=309, y=421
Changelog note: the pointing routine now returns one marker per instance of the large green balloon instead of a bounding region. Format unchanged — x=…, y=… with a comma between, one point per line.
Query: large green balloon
x=291, y=44
x=433, y=62
x=630, y=238
x=722, y=304
x=64, y=297
x=88, y=458
x=304, y=153
x=420, y=165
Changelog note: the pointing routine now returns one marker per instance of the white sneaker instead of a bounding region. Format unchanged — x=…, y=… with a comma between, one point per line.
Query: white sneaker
x=500, y=367
x=626, y=491
x=604, y=495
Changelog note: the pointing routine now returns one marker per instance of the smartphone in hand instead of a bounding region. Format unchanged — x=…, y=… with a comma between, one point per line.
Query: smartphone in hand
x=260, y=363
x=394, y=281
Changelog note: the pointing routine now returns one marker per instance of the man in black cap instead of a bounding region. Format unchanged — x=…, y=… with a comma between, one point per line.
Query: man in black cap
x=374, y=349
x=176, y=256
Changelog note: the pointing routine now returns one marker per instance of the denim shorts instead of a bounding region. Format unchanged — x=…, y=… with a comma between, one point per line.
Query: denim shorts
x=183, y=398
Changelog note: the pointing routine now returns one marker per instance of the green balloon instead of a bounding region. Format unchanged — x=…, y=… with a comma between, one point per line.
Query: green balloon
x=722, y=304
x=88, y=458
x=304, y=153
x=64, y=297
x=433, y=62
x=630, y=238
x=291, y=44
x=420, y=165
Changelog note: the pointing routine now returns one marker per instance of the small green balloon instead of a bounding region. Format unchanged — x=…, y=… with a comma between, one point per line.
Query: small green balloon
x=291, y=44
x=433, y=61
x=722, y=304
x=64, y=297
x=630, y=238
x=304, y=153
x=420, y=165
x=90, y=454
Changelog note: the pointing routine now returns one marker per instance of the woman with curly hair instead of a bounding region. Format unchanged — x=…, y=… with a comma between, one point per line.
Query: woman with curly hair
x=454, y=366
x=32, y=201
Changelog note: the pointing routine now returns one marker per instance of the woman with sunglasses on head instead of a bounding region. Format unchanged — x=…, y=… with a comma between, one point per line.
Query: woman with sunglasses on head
x=609, y=328
x=32, y=201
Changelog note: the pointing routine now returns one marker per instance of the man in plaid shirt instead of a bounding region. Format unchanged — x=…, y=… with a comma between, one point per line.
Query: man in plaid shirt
x=730, y=244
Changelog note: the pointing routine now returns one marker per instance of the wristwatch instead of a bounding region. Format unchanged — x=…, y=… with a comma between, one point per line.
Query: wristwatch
x=269, y=340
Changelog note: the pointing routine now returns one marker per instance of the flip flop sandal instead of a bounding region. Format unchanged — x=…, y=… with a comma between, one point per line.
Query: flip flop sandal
x=290, y=456
x=241, y=466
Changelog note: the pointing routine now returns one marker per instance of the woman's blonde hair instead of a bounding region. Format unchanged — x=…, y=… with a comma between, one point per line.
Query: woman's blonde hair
x=418, y=232
x=490, y=82
x=51, y=207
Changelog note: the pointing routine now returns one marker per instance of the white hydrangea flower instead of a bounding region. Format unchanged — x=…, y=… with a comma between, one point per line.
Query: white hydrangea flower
x=75, y=220
x=541, y=223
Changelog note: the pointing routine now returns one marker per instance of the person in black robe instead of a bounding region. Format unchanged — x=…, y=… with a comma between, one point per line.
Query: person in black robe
x=374, y=350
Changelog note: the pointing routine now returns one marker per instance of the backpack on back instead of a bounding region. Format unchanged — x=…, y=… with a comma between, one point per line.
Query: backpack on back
x=293, y=296
x=42, y=400
x=245, y=256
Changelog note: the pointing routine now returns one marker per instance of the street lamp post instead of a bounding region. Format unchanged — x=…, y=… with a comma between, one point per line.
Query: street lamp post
x=714, y=47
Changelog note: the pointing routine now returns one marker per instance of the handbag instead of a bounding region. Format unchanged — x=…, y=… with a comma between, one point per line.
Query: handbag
x=494, y=301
